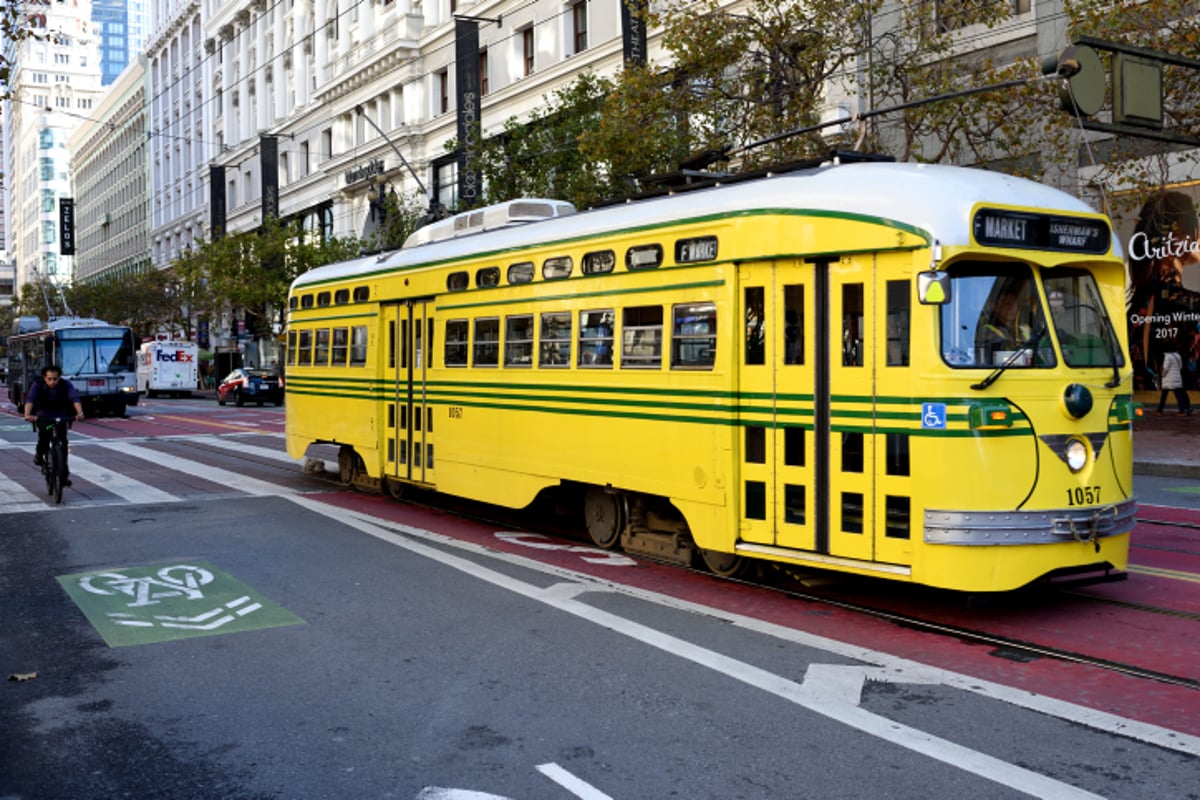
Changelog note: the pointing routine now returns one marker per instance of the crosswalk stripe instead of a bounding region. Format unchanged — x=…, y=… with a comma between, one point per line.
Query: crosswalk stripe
x=218, y=475
x=249, y=449
x=125, y=487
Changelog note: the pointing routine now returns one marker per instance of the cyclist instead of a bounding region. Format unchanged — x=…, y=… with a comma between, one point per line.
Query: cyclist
x=53, y=396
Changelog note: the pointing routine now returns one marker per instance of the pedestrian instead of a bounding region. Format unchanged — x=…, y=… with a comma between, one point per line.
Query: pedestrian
x=1171, y=380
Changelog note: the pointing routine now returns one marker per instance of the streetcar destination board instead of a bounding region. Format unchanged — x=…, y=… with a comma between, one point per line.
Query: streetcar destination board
x=1001, y=228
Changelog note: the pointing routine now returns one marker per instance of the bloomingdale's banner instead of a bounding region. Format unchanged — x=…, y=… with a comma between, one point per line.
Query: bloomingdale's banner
x=1162, y=245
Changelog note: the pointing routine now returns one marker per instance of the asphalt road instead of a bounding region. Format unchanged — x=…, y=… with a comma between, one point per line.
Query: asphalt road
x=396, y=657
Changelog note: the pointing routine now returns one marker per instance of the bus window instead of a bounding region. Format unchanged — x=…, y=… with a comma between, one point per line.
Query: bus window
x=518, y=341
x=487, y=342
x=341, y=347
x=694, y=336
x=358, y=345
x=595, y=338
x=305, y=349
x=641, y=337
x=554, y=347
x=456, y=343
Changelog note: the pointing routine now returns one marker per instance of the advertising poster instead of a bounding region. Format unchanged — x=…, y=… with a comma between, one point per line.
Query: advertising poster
x=1162, y=248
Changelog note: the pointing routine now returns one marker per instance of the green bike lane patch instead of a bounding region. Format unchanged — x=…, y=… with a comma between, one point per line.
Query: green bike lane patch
x=163, y=602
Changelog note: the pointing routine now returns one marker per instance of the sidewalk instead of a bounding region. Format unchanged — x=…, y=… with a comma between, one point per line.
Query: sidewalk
x=1168, y=445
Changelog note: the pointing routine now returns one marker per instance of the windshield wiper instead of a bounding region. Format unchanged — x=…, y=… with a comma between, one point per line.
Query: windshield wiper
x=1008, y=362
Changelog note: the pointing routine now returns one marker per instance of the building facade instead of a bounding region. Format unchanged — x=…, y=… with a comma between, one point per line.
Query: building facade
x=55, y=84
x=110, y=163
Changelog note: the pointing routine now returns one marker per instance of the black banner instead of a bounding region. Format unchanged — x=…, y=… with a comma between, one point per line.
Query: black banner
x=66, y=226
x=466, y=51
x=216, y=201
x=268, y=154
x=633, y=31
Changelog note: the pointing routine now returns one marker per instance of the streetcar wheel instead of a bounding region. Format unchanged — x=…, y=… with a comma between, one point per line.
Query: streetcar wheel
x=602, y=510
x=395, y=489
x=727, y=565
x=347, y=465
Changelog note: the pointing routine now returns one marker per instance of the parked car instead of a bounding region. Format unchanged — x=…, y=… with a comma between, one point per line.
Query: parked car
x=245, y=385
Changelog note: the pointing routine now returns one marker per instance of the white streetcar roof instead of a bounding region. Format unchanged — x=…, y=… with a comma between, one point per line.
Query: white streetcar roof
x=935, y=199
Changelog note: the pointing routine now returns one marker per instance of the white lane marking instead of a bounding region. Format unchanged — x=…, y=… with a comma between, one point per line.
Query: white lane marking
x=129, y=489
x=836, y=704
x=580, y=788
x=219, y=475
x=441, y=793
x=249, y=449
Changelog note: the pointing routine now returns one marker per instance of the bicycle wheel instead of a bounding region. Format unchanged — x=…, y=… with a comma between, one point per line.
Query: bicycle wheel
x=57, y=471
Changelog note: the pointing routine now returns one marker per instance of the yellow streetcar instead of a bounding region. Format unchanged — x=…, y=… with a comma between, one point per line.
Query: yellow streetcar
x=898, y=370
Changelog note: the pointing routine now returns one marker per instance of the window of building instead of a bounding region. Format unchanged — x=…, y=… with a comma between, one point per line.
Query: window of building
x=527, y=51
x=483, y=72
x=441, y=95
x=326, y=144
x=518, y=341
x=579, y=28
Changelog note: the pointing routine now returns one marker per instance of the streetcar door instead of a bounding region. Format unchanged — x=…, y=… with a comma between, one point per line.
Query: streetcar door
x=409, y=450
x=776, y=382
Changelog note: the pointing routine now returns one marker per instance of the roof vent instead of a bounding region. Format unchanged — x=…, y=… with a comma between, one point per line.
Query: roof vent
x=501, y=215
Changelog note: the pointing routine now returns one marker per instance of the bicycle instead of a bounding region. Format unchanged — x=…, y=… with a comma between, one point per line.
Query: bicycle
x=54, y=465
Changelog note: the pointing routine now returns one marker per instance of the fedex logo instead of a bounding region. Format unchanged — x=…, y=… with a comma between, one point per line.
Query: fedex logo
x=180, y=356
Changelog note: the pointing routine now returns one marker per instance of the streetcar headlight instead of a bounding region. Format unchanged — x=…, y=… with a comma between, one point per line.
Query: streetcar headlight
x=1077, y=400
x=1077, y=455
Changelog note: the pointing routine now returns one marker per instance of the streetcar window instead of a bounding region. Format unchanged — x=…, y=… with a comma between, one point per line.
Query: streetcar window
x=341, y=347
x=793, y=447
x=598, y=263
x=1084, y=328
x=852, y=512
x=521, y=273
x=756, y=325
x=341, y=297
x=323, y=298
x=306, y=301
x=487, y=342
x=694, y=338
x=795, y=504
x=291, y=349
x=362, y=294
x=852, y=452
x=641, y=337
x=596, y=338
x=488, y=276
x=293, y=301
x=557, y=267
x=897, y=454
x=992, y=317
x=358, y=345
x=756, y=444
x=644, y=256
x=756, y=500
x=700, y=248
x=852, y=325
x=554, y=345
x=899, y=516
x=518, y=341
x=793, y=325
x=457, y=281
x=457, y=331
x=321, y=350
x=305, y=357
x=899, y=305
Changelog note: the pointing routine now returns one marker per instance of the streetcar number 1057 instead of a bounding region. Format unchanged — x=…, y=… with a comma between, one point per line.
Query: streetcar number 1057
x=1083, y=495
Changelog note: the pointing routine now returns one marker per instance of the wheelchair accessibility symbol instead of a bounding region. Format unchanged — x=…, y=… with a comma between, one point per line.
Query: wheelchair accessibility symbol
x=933, y=416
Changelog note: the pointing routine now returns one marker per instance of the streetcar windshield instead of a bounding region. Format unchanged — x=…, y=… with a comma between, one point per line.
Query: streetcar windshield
x=1081, y=322
x=994, y=319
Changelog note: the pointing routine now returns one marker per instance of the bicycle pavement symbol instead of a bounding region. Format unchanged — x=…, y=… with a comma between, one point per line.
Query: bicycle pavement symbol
x=144, y=604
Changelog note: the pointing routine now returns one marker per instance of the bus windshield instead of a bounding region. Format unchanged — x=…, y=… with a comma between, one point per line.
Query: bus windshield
x=1084, y=329
x=994, y=319
x=83, y=356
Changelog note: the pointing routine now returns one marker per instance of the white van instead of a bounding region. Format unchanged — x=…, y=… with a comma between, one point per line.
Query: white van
x=168, y=367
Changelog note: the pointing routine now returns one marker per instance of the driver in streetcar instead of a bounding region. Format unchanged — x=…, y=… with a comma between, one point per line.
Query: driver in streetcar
x=1001, y=331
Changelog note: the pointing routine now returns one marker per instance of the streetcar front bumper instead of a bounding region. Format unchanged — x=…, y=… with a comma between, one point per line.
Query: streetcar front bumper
x=1029, y=527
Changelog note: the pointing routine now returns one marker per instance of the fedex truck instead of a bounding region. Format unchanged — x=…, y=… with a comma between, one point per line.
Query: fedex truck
x=168, y=367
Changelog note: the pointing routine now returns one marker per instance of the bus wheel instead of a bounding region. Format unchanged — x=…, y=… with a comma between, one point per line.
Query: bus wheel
x=727, y=565
x=602, y=510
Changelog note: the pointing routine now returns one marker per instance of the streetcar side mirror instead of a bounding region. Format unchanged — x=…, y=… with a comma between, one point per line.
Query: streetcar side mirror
x=933, y=288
